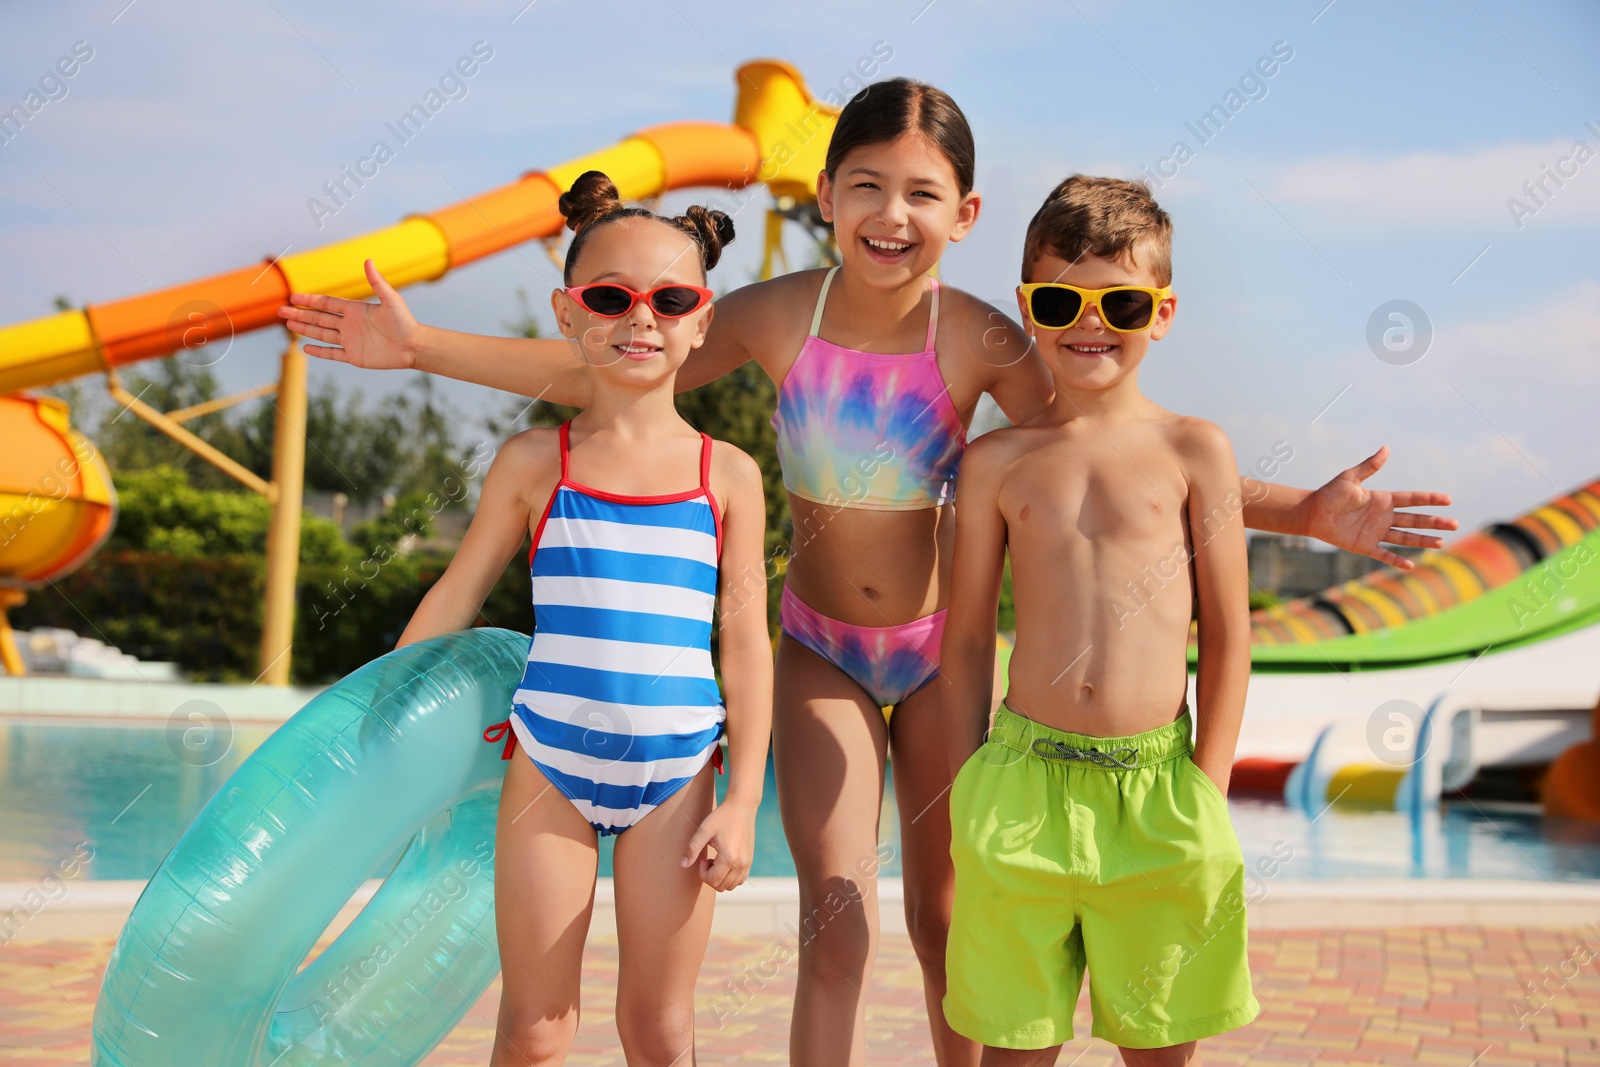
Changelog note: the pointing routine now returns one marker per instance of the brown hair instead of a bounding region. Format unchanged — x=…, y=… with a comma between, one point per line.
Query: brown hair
x=593, y=202
x=1107, y=217
x=886, y=110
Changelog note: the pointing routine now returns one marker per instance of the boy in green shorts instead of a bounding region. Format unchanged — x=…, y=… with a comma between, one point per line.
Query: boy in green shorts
x=1087, y=832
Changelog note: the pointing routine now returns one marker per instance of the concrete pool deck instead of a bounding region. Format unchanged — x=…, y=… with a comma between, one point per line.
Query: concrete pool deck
x=69, y=699
x=1447, y=995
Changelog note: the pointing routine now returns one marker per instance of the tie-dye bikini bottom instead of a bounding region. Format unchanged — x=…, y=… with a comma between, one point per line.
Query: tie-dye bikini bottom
x=889, y=662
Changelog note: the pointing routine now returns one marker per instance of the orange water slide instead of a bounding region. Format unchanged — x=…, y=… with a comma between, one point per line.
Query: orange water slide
x=779, y=137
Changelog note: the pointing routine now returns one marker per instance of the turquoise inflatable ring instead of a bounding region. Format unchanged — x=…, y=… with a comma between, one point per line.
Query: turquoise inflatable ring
x=208, y=968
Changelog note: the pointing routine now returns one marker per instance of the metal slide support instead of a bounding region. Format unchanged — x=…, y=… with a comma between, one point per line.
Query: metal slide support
x=283, y=536
x=10, y=658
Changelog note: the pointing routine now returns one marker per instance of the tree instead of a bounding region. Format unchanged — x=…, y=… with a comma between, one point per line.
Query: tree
x=129, y=443
x=404, y=443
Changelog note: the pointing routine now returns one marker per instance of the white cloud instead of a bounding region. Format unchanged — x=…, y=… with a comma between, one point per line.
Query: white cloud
x=1499, y=413
x=1558, y=341
x=1450, y=189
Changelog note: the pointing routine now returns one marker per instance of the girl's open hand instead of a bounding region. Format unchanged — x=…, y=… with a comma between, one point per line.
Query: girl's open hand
x=723, y=846
x=1347, y=514
x=381, y=336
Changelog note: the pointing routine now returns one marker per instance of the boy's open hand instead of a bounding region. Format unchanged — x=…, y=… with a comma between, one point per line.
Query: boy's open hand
x=381, y=336
x=729, y=833
x=1347, y=514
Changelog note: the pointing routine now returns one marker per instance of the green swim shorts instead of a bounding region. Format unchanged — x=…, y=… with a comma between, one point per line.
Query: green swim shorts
x=1111, y=854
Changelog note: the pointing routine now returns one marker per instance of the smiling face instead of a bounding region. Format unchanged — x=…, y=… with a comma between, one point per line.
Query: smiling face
x=1088, y=356
x=894, y=207
x=640, y=349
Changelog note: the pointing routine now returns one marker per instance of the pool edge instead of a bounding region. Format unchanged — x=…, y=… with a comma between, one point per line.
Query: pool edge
x=770, y=907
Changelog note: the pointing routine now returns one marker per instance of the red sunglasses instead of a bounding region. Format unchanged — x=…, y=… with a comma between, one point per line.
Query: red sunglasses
x=612, y=301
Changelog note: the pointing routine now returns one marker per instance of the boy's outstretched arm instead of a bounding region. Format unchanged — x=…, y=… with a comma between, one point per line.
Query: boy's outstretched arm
x=498, y=529
x=966, y=656
x=745, y=650
x=1343, y=513
x=385, y=336
x=1346, y=514
x=1216, y=532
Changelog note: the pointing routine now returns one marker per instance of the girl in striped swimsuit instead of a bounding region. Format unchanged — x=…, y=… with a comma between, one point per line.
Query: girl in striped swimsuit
x=879, y=369
x=639, y=526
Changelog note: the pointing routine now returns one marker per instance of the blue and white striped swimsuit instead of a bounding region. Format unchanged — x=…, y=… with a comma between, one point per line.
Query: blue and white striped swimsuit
x=618, y=705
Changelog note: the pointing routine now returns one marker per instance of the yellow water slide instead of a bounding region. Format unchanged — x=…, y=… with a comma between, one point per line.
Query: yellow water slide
x=778, y=137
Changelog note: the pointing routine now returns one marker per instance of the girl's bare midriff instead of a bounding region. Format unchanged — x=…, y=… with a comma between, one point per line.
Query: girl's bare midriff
x=870, y=568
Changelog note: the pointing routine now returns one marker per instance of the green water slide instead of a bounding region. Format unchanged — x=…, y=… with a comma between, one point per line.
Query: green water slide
x=1505, y=586
x=1556, y=596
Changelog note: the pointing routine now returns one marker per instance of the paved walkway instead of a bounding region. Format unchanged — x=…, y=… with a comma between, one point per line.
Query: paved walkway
x=1452, y=996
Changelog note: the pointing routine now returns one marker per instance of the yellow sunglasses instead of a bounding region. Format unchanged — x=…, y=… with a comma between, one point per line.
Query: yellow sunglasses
x=1123, y=308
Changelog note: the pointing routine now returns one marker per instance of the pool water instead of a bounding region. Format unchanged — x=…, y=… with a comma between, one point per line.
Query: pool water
x=126, y=793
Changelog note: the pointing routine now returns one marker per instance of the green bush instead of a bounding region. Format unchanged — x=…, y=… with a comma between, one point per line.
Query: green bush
x=159, y=511
x=350, y=614
x=204, y=614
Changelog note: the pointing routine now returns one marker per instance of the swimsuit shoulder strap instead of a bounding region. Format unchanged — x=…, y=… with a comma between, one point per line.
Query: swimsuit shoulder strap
x=933, y=316
x=822, y=300
x=564, y=448
x=705, y=488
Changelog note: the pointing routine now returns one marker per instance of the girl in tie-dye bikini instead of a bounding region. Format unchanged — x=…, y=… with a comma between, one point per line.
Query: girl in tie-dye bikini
x=879, y=370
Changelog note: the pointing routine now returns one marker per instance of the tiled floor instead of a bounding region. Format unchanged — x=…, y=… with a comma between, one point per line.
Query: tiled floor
x=1452, y=996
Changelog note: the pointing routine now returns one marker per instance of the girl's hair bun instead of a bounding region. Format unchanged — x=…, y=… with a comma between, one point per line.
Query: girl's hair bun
x=592, y=197
x=593, y=200
x=711, y=230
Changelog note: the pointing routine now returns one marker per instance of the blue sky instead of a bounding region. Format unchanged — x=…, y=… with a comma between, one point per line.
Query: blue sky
x=1374, y=165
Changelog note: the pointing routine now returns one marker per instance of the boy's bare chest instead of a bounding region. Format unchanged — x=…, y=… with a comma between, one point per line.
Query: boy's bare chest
x=1096, y=495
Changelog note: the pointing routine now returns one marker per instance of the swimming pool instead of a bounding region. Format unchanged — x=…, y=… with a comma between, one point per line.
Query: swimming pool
x=127, y=792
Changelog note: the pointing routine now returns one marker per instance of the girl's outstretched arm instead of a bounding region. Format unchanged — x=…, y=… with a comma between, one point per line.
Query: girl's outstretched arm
x=746, y=661
x=526, y=464
x=385, y=336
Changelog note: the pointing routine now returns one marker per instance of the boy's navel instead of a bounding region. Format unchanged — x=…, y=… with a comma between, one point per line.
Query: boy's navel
x=1023, y=514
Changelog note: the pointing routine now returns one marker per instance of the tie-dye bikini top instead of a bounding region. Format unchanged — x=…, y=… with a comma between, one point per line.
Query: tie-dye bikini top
x=868, y=429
